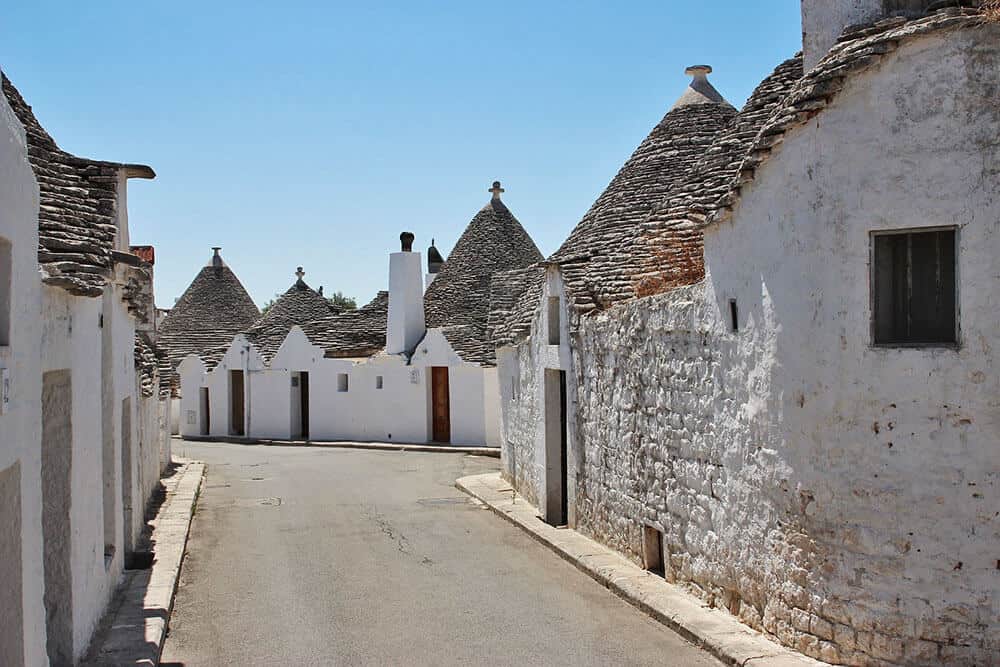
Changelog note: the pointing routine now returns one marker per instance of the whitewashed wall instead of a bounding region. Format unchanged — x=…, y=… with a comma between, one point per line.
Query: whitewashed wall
x=839, y=496
x=70, y=334
x=521, y=378
x=399, y=411
x=20, y=423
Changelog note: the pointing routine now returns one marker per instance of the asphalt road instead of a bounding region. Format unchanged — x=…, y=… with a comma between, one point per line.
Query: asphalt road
x=315, y=556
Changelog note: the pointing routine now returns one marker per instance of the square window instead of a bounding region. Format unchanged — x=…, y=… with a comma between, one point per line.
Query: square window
x=378, y=381
x=342, y=382
x=914, y=288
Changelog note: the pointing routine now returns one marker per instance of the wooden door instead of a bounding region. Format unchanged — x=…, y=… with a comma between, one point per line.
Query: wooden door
x=236, y=413
x=440, y=404
x=304, y=403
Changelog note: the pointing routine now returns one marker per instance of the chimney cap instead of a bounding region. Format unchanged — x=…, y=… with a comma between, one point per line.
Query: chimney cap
x=406, y=241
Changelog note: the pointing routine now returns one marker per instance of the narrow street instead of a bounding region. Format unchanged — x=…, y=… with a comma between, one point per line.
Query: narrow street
x=317, y=556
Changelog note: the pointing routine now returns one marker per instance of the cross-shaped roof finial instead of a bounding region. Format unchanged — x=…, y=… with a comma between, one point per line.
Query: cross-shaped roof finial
x=496, y=190
x=299, y=272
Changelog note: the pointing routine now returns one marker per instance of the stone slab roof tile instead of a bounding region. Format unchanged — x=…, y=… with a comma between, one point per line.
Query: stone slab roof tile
x=354, y=333
x=598, y=260
x=668, y=246
x=146, y=365
x=859, y=49
x=213, y=309
x=78, y=202
x=513, y=297
x=459, y=297
x=299, y=305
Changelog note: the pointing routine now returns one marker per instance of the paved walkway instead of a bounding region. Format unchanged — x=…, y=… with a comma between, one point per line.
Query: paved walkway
x=134, y=628
x=719, y=632
x=316, y=556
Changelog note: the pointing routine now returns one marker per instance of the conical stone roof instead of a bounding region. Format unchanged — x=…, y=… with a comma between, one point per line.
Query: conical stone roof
x=601, y=262
x=213, y=309
x=458, y=300
x=299, y=305
x=598, y=259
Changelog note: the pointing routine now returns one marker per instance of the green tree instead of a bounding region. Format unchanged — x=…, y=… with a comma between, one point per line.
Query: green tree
x=267, y=306
x=341, y=302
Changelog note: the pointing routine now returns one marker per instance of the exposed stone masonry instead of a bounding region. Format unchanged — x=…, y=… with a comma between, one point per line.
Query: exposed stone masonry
x=664, y=415
x=78, y=207
x=458, y=301
x=299, y=305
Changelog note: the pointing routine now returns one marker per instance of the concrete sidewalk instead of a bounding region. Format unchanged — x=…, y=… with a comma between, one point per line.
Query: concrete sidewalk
x=493, y=452
x=135, y=625
x=716, y=631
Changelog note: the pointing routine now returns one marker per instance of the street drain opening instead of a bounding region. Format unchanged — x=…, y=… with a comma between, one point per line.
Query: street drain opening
x=139, y=560
x=652, y=550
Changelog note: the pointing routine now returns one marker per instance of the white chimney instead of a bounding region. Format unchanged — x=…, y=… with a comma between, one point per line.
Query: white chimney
x=405, y=326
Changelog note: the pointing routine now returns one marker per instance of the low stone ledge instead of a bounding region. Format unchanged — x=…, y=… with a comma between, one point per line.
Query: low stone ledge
x=135, y=626
x=719, y=633
x=493, y=452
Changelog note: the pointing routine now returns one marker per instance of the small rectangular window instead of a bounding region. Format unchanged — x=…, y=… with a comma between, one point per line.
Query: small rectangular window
x=342, y=382
x=295, y=380
x=553, y=317
x=378, y=381
x=914, y=288
x=6, y=276
x=734, y=316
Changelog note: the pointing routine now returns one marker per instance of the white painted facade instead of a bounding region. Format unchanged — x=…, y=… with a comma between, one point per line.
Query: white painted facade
x=386, y=398
x=22, y=637
x=90, y=343
x=838, y=495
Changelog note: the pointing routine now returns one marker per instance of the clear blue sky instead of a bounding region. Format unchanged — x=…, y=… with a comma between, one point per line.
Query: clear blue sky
x=311, y=134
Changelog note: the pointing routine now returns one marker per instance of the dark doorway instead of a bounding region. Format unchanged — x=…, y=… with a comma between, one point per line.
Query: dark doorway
x=57, y=467
x=204, y=412
x=236, y=411
x=556, y=495
x=304, y=403
x=440, y=404
x=127, y=476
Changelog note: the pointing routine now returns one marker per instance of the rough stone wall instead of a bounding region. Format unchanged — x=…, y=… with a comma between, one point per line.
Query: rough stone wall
x=839, y=496
x=522, y=419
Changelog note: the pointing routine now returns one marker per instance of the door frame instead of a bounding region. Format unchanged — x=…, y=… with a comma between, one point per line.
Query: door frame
x=440, y=396
x=556, y=434
x=237, y=429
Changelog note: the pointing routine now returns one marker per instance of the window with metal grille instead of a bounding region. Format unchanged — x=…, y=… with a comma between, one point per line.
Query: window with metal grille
x=914, y=287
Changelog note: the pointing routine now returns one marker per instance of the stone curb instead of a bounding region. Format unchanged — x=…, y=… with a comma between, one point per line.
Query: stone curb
x=716, y=631
x=138, y=626
x=493, y=452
